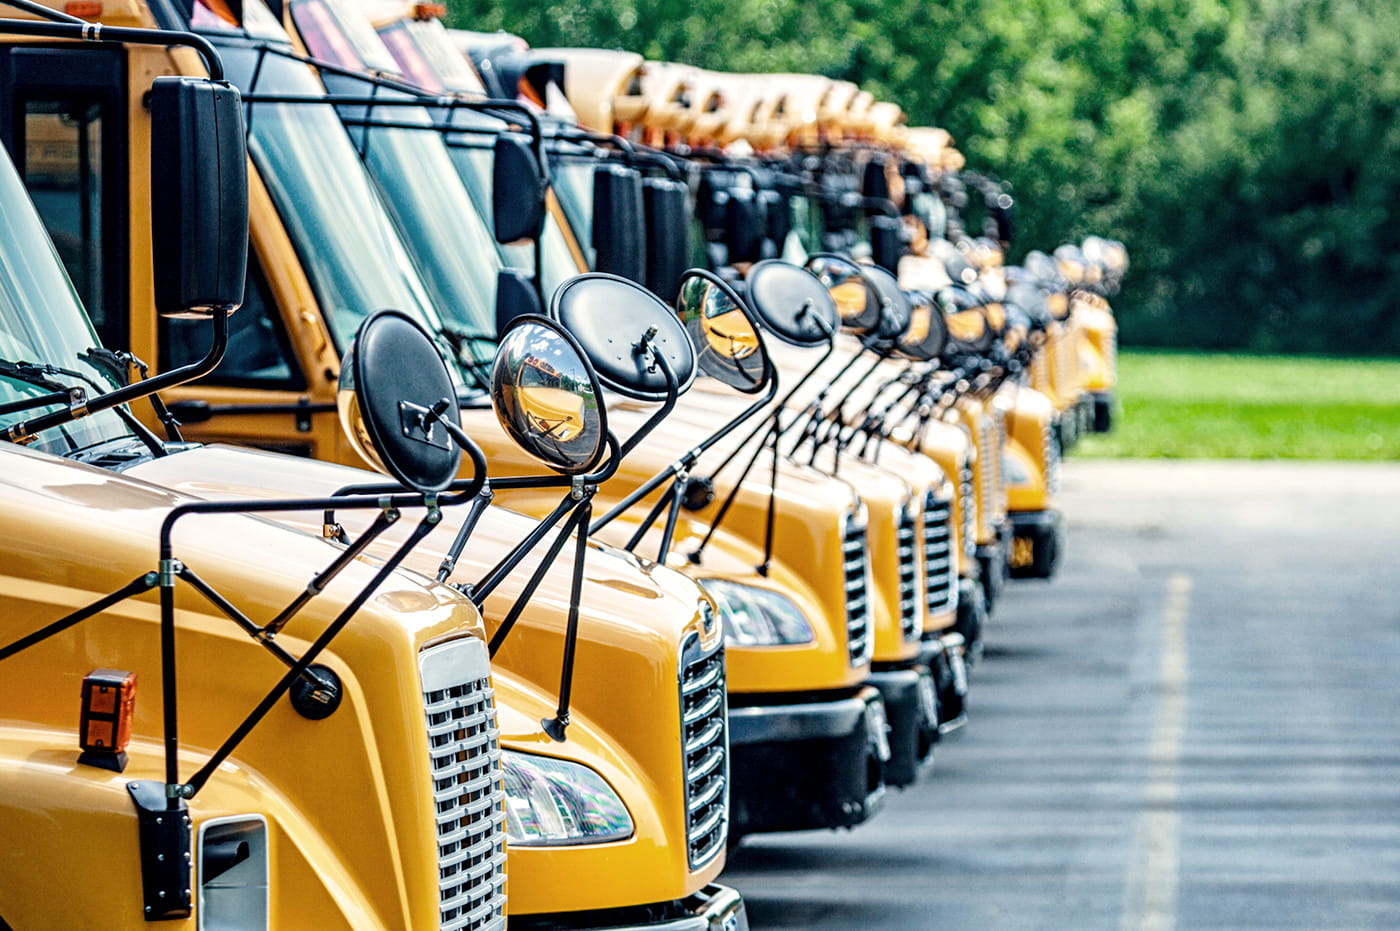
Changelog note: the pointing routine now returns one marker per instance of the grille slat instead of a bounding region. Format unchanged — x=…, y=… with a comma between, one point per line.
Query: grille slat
x=704, y=751
x=468, y=793
x=855, y=563
x=940, y=569
x=908, y=576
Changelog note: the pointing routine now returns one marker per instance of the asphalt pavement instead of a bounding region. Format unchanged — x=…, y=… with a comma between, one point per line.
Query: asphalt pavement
x=1195, y=725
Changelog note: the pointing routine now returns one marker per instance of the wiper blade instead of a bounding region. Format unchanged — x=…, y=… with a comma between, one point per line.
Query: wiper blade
x=37, y=375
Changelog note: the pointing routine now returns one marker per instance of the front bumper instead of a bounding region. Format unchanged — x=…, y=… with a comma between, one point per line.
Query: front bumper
x=972, y=617
x=806, y=765
x=713, y=908
x=946, y=658
x=992, y=561
x=1103, y=411
x=911, y=705
x=1038, y=544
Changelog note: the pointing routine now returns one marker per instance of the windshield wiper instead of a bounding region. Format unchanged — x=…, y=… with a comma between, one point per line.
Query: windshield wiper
x=460, y=339
x=36, y=375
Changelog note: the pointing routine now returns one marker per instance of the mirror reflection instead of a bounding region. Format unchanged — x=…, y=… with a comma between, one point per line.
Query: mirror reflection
x=856, y=301
x=927, y=333
x=547, y=398
x=728, y=346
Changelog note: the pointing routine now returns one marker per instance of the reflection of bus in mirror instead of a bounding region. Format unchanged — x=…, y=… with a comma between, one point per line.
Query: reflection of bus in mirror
x=730, y=334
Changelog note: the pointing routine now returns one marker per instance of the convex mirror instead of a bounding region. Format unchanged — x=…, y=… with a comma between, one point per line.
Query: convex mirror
x=924, y=339
x=967, y=327
x=394, y=389
x=791, y=303
x=857, y=301
x=728, y=345
x=894, y=303
x=614, y=321
x=547, y=397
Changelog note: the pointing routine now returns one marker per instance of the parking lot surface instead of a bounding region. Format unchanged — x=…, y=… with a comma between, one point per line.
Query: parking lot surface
x=1195, y=725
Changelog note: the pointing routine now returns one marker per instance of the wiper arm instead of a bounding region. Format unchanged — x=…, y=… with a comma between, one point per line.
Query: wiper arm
x=36, y=375
x=459, y=339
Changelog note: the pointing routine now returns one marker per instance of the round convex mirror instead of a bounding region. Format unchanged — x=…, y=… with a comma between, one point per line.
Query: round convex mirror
x=728, y=345
x=547, y=397
x=967, y=327
x=393, y=389
x=609, y=317
x=927, y=333
x=791, y=303
x=894, y=303
x=857, y=302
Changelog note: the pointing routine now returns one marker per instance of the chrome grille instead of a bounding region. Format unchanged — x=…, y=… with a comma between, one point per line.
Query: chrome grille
x=1050, y=436
x=987, y=456
x=998, y=483
x=909, y=625
x=1110, y=355
x=855, y=572
x=968, y=505
x=940, y=568
x=704, y=750
x=468, y=794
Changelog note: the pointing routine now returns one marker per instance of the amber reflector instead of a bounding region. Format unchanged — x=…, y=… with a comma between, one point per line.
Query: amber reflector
x=109, y=699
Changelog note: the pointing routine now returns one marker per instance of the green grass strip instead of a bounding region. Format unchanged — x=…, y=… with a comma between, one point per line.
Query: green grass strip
x=1184, y=405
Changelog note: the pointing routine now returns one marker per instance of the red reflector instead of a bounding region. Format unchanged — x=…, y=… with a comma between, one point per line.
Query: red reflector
x=83, y=9
x=109, y=700
x=429, y=10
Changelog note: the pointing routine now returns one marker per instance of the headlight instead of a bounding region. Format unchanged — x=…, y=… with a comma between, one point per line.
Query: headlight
x=1015, y=471
x=553, y=802
x=757, y=616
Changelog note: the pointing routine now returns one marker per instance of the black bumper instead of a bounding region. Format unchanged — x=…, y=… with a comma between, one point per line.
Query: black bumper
x=992, y=561
x=911, y=707
x=972, y=617
x=946, y=659
x=1038, y=545
x=713, y=908
x=797, y=767
x=1103, y=411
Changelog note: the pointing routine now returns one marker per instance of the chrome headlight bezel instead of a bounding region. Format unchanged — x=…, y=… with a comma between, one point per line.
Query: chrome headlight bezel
x=552, y=802
x=758, y=617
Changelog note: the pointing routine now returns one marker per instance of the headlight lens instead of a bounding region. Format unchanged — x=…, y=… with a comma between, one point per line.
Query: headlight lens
x=553, y=802
x=757, y=616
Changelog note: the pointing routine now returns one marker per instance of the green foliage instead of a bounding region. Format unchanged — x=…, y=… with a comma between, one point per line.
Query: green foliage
x=1245, y=150
x=1179, y=405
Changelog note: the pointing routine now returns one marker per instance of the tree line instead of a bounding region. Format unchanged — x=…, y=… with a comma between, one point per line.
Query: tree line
x=1245, y=150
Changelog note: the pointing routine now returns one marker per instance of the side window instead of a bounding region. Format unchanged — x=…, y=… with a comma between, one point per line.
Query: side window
x=66, y=131
x=259, y=354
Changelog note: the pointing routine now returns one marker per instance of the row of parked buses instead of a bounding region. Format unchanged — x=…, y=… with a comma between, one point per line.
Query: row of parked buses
x=707, y=424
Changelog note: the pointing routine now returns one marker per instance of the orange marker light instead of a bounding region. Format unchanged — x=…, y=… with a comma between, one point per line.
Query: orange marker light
x=109, y=700
x=423, y=11
x=83, y=9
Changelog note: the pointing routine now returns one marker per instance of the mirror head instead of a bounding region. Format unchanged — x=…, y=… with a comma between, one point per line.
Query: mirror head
x=547, y=397
x=967, y=325
x=894, y=303
x=728, y=345
x=791, y=303
x=613, y=319
x=926, y=335
x=857, y=301
x=394, y=388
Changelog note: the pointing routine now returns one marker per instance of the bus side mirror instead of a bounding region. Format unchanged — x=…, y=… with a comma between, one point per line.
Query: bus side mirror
x=517, y=190
x=515, y=297
x=619, y=222
x=745, y=222
x=886, y=241
x=199, y=196
x=668, y=234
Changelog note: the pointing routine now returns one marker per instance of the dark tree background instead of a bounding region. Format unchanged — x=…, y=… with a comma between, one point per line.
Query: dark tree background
x=1245, y=150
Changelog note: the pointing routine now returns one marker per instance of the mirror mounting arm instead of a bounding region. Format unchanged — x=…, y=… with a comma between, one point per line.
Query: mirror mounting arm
x=655, y=357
